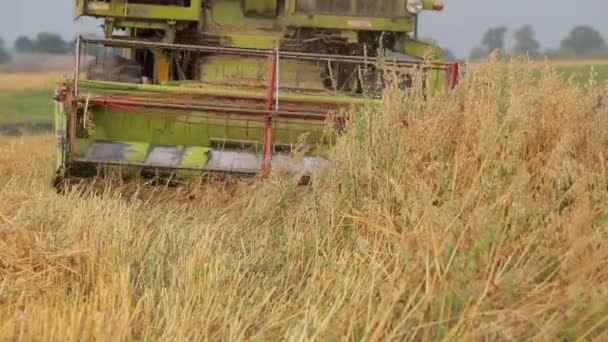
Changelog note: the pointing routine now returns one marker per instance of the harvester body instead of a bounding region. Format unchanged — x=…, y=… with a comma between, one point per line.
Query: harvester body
x=184, y=87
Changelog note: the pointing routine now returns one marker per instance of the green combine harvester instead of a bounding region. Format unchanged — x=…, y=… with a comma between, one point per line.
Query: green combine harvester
x=193, y=87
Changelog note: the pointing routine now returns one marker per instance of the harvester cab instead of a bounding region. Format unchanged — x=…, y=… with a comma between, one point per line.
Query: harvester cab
x=186, y=87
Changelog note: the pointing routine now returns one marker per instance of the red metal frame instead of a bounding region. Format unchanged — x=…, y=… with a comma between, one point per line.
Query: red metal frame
x=72, y=130
x=270, y=104
x=452, y=73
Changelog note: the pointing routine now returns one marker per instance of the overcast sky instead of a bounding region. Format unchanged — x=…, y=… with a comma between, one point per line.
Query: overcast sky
x=458, y=28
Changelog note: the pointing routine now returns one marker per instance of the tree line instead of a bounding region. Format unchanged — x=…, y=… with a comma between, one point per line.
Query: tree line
x=45, y=42
x=582, y=42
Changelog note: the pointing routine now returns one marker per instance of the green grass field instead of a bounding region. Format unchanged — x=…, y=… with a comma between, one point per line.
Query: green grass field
x=582, y=73
x=26, y=106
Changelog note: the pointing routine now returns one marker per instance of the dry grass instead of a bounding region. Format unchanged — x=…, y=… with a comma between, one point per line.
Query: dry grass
x=486, y=219
x=32, y=81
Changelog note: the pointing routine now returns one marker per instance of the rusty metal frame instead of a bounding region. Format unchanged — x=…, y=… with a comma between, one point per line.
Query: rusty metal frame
x=272, y=107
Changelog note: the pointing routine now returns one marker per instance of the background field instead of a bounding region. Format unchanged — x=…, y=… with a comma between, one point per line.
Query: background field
x=32, y=81
x=26, y=106
x=582, y=70
x=26, y=99
x=486, y=219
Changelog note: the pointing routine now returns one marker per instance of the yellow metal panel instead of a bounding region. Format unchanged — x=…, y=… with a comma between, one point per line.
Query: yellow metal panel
x=161, y=68
x=260, y=7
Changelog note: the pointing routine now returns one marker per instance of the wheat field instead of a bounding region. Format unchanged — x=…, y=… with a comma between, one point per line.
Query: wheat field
x=32, y=80
x=485, y=219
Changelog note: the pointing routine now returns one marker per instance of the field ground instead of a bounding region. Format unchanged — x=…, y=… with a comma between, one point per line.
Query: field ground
x=26, y=106
x=485, y=220
x=26, y=98
x=581, y=72
x=32, y=81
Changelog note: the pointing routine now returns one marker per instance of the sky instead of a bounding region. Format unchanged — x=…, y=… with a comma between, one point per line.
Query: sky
x=459, y=27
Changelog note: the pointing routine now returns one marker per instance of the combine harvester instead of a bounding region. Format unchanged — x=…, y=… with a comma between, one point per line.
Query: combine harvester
x=193, y=87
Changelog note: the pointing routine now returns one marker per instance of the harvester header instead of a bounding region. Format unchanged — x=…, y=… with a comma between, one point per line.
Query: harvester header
x=182, y=87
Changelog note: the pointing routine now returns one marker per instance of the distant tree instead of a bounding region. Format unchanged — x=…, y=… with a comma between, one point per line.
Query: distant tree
x=50, y=43
x=448, y=55
x=70, y=46
x=24, y=45
x=478, y=53
x=525, y=42
x=584, y=41
x=494, y=39
x=4, y=55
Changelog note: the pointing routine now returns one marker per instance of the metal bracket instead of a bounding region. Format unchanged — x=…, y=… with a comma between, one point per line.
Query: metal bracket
x=170, y=32
x=108, y=27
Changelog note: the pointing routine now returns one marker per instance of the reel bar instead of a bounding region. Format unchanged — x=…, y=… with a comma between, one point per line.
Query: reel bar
x=124, y=43
x=108, y=102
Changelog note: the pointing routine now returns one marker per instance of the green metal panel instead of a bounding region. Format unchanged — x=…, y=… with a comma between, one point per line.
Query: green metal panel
x=422, y=49
x=143, y=24
x=350, y=22
x=137, y=151
x=226, y=16
x=260, y=7
x=402, y=22
x=188, y=129
x=195, y=156
x=251, y=41
x=248, y=71
x=124, y=9
x=361, y=8
x=436, y=79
